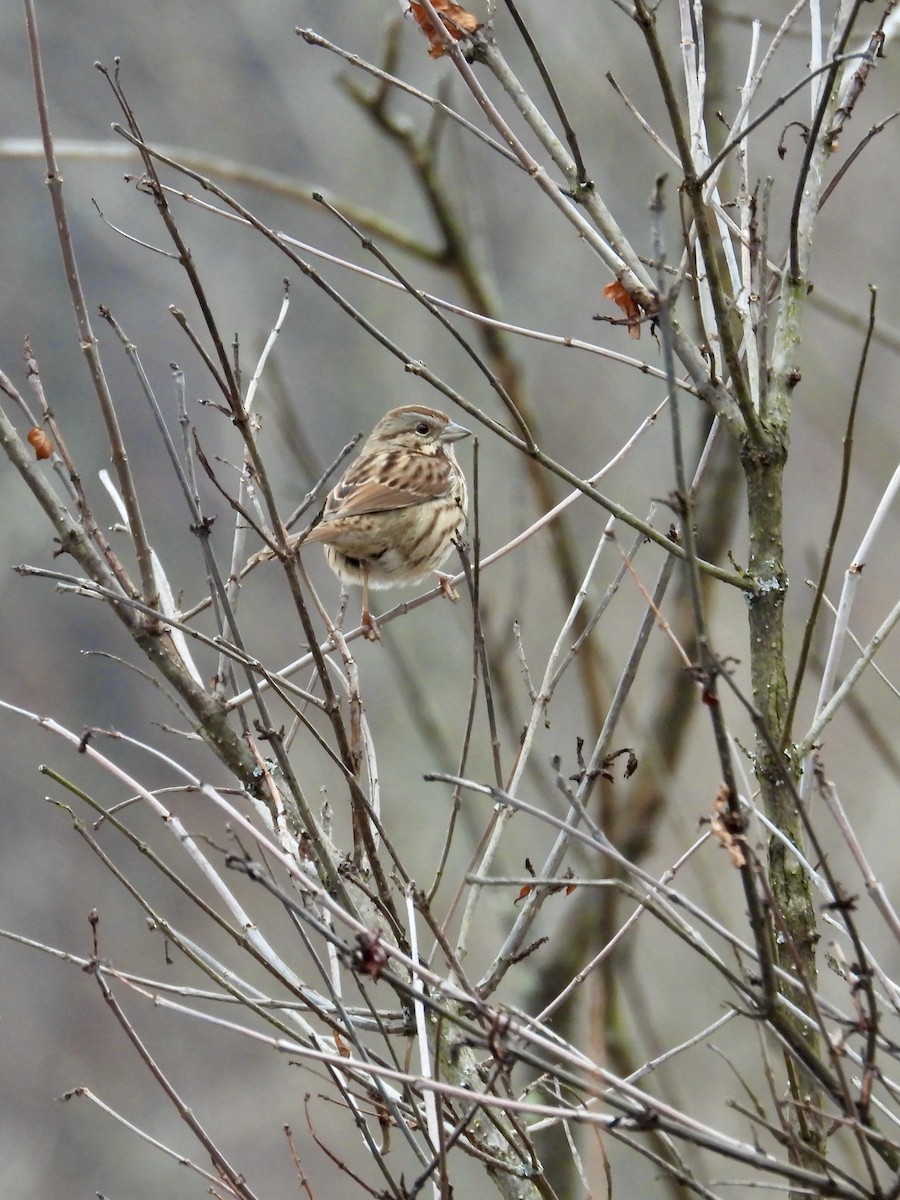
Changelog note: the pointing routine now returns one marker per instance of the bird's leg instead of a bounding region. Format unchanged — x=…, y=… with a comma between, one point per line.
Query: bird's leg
x=447, y=588
x=342, y=608
x=368, y=621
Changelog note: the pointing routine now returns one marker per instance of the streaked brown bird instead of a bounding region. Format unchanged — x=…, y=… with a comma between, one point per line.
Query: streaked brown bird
x=393, y=516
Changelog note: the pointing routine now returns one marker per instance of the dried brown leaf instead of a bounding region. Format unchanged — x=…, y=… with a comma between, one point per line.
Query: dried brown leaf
x=458, y=22
x=43, y=447
x=616, y=292
x=722, y=824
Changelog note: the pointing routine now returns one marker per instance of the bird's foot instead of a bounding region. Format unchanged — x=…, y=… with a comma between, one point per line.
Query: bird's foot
x=370, y=625
x=447, y=588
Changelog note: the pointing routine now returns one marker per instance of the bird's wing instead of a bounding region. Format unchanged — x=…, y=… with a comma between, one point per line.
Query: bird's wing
x=423, y=479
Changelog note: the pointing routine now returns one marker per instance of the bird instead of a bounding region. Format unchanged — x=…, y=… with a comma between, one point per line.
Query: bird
x=395, y=513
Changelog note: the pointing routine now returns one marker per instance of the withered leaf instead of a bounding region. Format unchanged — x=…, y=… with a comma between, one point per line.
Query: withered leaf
x=721, y=823
x=43, y=447
x=616, y=292
x=456, y=20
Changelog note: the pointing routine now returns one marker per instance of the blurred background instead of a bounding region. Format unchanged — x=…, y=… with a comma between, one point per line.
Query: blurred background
x=228, y=80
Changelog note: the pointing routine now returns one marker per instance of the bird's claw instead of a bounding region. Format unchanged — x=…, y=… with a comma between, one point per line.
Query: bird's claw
x=446, y=586
x=370, y=625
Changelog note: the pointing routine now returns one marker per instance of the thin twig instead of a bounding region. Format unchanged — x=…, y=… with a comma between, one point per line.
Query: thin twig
x=836, y=522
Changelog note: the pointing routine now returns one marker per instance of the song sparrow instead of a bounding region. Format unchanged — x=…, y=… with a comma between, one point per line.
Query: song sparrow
x=393, y=516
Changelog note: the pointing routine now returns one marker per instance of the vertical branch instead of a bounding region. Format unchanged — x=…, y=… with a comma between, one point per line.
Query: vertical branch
x=86, y=334
x=645, y=18
x=709, y=665
x=764, y=462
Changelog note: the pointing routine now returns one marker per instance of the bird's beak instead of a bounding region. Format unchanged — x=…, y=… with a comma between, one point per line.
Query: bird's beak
x=454, y=432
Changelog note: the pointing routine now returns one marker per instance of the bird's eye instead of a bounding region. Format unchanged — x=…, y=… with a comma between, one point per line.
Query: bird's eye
x=422, y=427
